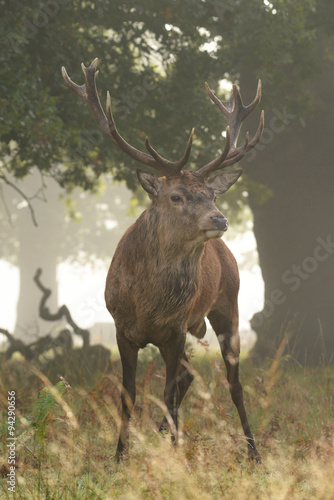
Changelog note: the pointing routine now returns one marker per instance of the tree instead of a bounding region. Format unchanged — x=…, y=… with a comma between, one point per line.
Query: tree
x=290, y=46
x=43, y=125
x=37, y=130
x=154, y=58
x=83, y=228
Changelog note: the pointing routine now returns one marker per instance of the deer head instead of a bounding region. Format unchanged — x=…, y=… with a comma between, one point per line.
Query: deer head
x=179, y=192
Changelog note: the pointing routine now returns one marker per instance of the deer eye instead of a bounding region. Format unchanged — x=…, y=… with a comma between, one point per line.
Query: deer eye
x=175, y=198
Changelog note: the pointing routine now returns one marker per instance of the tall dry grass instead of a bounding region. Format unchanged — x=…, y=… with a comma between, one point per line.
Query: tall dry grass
x=290, y=410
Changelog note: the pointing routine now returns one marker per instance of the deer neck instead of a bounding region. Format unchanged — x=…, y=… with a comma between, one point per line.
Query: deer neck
x=171, y=270
x=169, y=247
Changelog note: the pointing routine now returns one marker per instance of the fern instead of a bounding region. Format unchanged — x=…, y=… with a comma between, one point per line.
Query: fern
x=44, y=409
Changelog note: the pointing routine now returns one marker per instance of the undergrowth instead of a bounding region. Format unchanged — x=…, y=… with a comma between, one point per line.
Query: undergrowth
x=66, y=436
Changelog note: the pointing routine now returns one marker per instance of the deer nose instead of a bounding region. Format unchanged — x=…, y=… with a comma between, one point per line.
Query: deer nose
x=220, y=223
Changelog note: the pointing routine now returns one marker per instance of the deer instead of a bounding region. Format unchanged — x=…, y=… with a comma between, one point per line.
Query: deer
x=172, y=269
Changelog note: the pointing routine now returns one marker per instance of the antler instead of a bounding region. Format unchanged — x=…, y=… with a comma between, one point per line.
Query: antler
x=235, y=112
x=88, y=92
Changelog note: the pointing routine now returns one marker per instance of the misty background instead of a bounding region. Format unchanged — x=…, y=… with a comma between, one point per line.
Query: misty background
x=67, y=194
x=78, y=279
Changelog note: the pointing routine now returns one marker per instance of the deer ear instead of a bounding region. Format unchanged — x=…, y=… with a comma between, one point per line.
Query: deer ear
x=150, y=183
x=222, y=182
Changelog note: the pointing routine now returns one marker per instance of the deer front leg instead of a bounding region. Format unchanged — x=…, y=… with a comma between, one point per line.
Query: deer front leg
x=178, y=379
x=129, y=357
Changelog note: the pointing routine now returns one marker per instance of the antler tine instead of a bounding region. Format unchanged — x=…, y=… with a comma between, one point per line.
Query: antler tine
x=134, y=153
x=177, y=165
x=235, y=112
x=215, y=164
x=88, y=92
x=258, y=134
x=250, y=144
x=238, y=154
x=154, y=159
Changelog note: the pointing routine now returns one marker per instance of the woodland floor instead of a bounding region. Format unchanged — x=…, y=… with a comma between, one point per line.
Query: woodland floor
x=66, y=436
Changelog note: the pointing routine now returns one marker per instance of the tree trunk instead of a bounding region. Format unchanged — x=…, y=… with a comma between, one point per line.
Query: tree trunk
x=294, y=230
x=39, y=247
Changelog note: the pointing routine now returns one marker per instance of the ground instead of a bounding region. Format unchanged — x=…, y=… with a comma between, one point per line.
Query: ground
x=67, y=435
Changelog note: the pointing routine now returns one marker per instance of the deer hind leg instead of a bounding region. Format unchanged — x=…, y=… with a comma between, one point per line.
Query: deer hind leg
x=178, y=380
x=129, y=357
x=229, y=341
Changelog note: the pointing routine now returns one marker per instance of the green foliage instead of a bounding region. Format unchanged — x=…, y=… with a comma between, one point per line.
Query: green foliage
x=35, y=104
x=154, y=58
x=45, y=409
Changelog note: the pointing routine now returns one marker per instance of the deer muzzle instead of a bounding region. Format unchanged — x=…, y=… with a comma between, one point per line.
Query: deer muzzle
x=219, y=223
x=218, y=226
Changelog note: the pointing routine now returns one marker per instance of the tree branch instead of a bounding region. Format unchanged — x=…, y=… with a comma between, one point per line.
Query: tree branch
x=2, y=195
x=16, y=345
x=62, y=312
x=32, y=212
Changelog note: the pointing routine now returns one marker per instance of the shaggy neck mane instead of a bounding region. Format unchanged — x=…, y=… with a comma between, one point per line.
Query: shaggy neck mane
x=164, y=267
x=164, y=242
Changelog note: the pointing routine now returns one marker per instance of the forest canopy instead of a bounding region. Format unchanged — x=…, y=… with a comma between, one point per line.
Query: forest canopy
x=154, y=58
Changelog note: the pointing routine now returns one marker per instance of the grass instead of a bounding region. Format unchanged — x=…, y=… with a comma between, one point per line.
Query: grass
x=67, y=435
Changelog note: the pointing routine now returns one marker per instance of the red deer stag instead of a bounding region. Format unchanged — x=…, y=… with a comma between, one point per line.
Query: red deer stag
x=171, y=268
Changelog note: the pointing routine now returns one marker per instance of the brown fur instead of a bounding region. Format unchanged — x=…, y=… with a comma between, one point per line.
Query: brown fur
x=171, y=270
